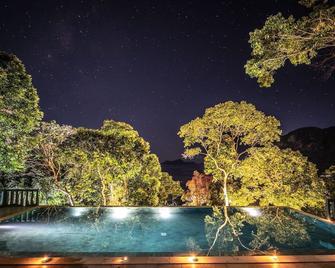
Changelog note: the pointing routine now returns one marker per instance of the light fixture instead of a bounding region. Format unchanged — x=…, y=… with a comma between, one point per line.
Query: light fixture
x=120, y=213
x=77, y=211
x=192, y=259
x=46, y=259
x=274, y=258
x=253, y=212
x=124, y=259
x=164, y=212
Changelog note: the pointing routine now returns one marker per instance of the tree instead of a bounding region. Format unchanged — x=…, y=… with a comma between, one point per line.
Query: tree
x=198, y=193
x=19, y=112
x=298, y=41
x=278, y=177
x=329, y=179
x=237, y=142
x=169, y=189
x=42, y=162
x=110, y=166
x=224, y=135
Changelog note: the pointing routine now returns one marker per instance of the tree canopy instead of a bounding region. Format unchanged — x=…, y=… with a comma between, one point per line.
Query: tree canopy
x=278, y=177
x=329, y=178
x=111, y=166
x=298, y=41
x=19, y=112
x=238, y=145
x=224, y=134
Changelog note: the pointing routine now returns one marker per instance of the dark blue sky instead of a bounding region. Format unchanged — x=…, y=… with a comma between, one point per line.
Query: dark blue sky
x=155, y=64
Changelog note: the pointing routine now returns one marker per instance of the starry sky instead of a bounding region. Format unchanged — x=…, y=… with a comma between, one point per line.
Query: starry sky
x=155, y=64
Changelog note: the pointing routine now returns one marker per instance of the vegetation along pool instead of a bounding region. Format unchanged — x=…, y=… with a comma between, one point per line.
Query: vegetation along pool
x=163, y=231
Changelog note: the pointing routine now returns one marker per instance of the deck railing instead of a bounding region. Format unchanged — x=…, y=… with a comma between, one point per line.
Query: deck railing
x=19, y=197
x=330, y=206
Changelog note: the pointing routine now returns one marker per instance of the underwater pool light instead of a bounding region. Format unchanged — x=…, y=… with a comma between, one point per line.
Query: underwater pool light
x=120, y=213
x=253, y=212
x=164, y=213
x=77, y=211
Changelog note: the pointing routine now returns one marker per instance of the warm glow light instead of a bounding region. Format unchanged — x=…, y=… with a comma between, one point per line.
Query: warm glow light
x=164, y=213
x=125, y=258
x=192, y=259
x=274, y=258
x=78, y=212
x=253, y=212
x=46, y=259
x=120, y=213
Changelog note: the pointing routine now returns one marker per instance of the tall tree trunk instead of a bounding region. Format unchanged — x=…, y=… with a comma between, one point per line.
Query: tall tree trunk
x=225, y=192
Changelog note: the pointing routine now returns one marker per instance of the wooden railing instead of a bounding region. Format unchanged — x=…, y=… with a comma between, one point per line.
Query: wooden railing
x=330, y=207
x=19, y=197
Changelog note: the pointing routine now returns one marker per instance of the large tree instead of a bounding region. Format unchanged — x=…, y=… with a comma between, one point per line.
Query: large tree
x=198, y=191
x=329, y=179
x=237, y=142
x=110, y=166
x=225, y=134
x=19, y=112
x=298, y=41
x=278, y=177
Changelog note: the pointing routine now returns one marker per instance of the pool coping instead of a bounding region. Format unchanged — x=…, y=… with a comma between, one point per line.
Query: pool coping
x=168, y=260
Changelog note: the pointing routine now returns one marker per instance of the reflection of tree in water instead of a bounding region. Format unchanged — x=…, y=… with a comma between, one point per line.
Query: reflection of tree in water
x=237, y=231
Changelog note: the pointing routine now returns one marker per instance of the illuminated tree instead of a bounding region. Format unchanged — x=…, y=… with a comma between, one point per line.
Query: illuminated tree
x=224, y=135
x=198, y=193
x=298, y=41
x=329, y=179
x=271, y=176
x=110, y=166
x=169, y=189
x=19, y=113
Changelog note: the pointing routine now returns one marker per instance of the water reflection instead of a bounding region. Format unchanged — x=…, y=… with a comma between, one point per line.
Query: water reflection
x=255, y=231
x=162, y=231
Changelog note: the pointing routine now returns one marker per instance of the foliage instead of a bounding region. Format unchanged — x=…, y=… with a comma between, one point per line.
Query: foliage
x=198, y=193
x=224, y=135
x=43, y=160
x=169, y=189
x=278, y=177
x=237, y=142
x=110, y=166
x=329, y=180
x=42, y=170
x=298, y=41
x=19, y=112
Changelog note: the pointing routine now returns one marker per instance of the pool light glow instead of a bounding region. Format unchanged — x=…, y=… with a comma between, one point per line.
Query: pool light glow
x=78, y=212
x=164, y=213
x=120, y=213
x=253, y=212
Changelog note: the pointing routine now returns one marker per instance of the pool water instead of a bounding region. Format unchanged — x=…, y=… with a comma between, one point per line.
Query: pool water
x=65, y=231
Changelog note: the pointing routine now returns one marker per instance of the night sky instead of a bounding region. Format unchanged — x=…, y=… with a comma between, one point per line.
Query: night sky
x=155, y=64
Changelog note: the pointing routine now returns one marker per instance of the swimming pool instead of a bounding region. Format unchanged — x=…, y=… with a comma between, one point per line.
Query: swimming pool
x=165, y=231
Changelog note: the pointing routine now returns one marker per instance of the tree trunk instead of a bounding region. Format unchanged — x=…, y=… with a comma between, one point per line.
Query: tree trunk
x=225, y=192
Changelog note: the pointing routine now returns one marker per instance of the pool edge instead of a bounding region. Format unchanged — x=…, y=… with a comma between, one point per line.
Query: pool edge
x=168, y=260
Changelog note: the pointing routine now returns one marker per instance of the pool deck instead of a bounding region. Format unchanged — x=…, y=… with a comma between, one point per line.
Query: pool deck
x=303, y=261
x=298, y=261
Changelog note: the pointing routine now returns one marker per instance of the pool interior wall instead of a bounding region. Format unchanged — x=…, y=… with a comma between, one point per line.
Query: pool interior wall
x=163, y=231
